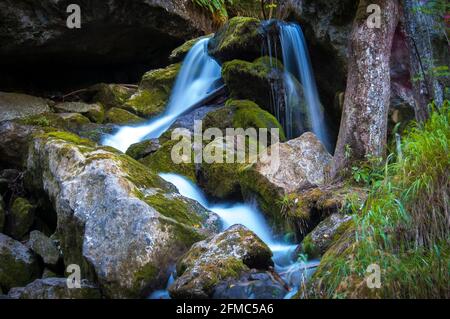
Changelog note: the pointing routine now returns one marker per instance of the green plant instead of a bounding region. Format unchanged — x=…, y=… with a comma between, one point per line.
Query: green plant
x=218, y=8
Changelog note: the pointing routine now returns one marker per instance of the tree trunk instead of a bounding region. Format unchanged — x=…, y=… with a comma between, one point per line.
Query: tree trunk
x=419, y=30
x=363, y=128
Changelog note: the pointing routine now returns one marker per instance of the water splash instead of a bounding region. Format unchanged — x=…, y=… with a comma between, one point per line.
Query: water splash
x=248, y=214
x=197, y=78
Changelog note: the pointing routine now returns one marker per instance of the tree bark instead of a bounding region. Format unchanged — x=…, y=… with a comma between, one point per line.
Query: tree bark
x=419, y=30
x=363, y=128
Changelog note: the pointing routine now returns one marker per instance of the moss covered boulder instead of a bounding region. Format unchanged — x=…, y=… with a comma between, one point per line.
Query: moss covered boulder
x=121, y=116
x=225, y=256
x=55, y=288
x=109, y=220
x=180, y=53
x=154, y=92
x=285, y=169
x=239, y=38
x=170, y=158
x=94, y=112
x=254, y=81
x=20, y=219
x=110, y=95
x=324, y=235
x=18, y=265
x=143, y=149
x=14, y=106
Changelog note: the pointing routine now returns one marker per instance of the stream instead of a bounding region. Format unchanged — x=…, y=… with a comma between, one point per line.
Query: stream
x=199, y=76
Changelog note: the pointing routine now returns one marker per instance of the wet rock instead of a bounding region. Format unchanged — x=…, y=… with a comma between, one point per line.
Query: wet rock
x=108, y=221
x=48, y=273
x=20, y=219
x=44, y=247
x=253, y=80
x=299, y=164
x=187, y=121
x=180, y=53
x=94, y=112
x=120, y=116
x=323, y=236
x=225, y=256
x=14, y=106
x=240, y=38
x=111, y=95
x=73, y=121
x=143, y=149
x=18, y=266
x=14, y=140
x=96, y=132
x=154, y=92
x=252, y=285
x=55, y=288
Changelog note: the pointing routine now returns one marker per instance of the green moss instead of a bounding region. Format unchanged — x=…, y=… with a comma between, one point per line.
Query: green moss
x=142, y=149
x=161, y=162
x=111, y=95
x=120, y=116
x=161, y=79
x=71, y=138
x=176, y=209
x=146, y=274
x=22, y=216
x=240, y=38
x=148, y=103
x=96, y=114
x=252, y=80
x=230, y=268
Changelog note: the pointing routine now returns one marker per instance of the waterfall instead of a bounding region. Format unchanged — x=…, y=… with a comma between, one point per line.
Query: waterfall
x=302, y=108
x=198, y=77
x=293, y=272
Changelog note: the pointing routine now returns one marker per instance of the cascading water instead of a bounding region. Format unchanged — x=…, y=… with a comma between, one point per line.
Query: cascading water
x=293, y=272
x=303, y=110
x=198, y=77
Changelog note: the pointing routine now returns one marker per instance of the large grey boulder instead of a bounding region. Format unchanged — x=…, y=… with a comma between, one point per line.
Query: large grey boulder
x=122, y=224
x=223, y=257
x=18, y=265
x=14, y=106
x=55, y=288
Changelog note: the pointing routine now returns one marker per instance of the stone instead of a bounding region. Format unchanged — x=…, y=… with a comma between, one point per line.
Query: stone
x=323, y=236
x=302, y=163
x=14, y=106
x=180, y=53
x=143, y=149
x=20, y=218
x=225, y=256
x=14, y=141
x=120, y=116
x=111, y=95
x=240, y=38
x=44, y=247
x=18, y=265
x=55, y=288
x=94, y=112
x=73, y=121
x=120, y=222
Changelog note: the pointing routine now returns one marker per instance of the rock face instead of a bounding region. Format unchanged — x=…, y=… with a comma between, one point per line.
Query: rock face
x=14, y=106
x=20, y=219
x=112, y=32
x=225, y=256
x=323, y=236
x=94, y=112
x=108, y=220
x=18, y=266
x=55, y=288
x=44, y=247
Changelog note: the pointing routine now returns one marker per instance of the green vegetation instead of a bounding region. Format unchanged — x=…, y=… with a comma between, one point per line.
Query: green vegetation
x=403, y=227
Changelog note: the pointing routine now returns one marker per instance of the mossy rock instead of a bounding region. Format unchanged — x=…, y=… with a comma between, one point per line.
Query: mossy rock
x=239, y=38
x=180, y=53
x=143, y=149
x=94, y=112
x=244, y=8
x=120, y=116
x=161, y=161
x=147, y=103
x=18, y=265
x=162, y=79
x=253, y=80
x=21, y=218
x=111, y=95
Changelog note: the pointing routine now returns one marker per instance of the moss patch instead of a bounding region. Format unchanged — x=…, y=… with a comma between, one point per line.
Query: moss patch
x=120, y=116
